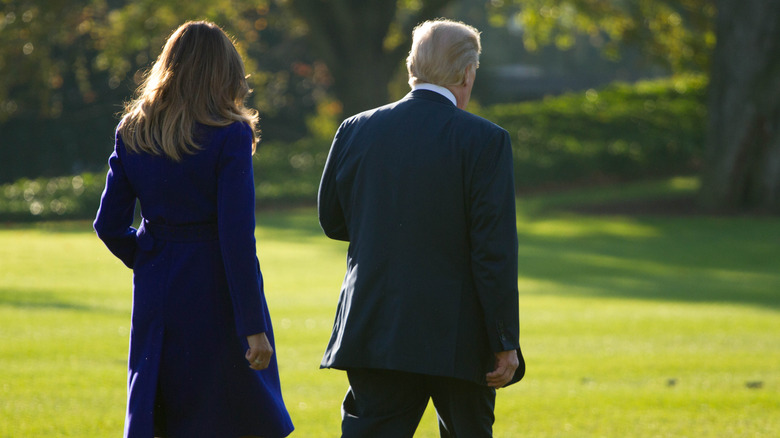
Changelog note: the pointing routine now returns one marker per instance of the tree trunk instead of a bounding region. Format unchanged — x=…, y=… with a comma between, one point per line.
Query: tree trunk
x=350, y=37
x=742, y=154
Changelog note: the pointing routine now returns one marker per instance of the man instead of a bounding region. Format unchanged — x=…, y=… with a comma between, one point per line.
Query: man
x=424, y=193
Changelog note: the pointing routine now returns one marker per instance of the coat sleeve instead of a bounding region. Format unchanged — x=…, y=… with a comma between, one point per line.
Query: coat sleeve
x=113, y=223
x=493, y=238
x=236, y=224
x=329, y=209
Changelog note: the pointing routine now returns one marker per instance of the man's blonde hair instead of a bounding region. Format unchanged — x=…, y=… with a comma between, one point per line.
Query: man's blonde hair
x=441, y=51
x=198, y=78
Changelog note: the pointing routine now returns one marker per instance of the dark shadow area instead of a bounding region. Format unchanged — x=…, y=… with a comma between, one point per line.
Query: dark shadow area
x=701, y=259
x=38, y=299
x=59, y=227
x=663, y=207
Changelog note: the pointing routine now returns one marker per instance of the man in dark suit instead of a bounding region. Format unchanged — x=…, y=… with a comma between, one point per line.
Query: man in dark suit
x=424, y=193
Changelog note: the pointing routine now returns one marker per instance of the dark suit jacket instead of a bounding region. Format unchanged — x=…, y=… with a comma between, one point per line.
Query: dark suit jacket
x=424, y=193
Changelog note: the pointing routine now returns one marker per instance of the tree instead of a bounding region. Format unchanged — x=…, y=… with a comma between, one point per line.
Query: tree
x=45, y=60
x=742, y=160
x=51, y=86
x=66, y=64
x=674, y=33
x=280, y=71
x=362, y=42
x=741, y=165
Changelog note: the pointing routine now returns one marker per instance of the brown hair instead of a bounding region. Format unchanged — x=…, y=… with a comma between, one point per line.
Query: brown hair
x=198, y=78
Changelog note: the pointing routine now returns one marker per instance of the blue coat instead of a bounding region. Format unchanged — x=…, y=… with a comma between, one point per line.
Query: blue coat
x=197, y=290
x=424, y=193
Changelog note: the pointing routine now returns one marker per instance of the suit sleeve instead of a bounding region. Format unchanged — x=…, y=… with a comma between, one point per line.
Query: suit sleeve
x=236, y=224
x=329, y=210
x=113, y=223
x=493, y=238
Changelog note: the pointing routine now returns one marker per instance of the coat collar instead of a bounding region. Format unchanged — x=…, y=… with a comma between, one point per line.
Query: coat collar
x=428, y=95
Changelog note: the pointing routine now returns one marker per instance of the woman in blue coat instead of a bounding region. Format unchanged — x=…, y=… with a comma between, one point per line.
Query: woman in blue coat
x=201, y=360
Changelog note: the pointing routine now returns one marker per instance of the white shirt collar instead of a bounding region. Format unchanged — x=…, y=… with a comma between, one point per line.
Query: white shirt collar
x=438, y=89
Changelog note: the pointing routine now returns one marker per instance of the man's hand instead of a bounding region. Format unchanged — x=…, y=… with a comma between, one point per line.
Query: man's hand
x=506, y=364
x=260, y=351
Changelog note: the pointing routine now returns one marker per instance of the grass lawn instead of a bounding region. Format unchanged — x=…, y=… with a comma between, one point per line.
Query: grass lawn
x=632, y=326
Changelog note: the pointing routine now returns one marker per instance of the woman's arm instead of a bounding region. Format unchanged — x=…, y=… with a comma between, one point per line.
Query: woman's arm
x=113, y=223
x=236, y=222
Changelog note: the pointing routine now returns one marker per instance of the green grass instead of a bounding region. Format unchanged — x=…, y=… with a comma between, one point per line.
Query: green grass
x=642, y=326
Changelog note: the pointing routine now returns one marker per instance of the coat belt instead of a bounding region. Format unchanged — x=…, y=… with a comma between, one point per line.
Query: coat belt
x=182, y=233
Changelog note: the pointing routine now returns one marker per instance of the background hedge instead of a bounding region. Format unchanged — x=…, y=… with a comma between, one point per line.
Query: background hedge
x=623, y=131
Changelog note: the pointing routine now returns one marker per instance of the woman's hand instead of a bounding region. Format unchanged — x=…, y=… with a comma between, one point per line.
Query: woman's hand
x=260, y=351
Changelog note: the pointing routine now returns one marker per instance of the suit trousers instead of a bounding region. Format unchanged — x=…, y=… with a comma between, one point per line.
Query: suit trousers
x=390, y=404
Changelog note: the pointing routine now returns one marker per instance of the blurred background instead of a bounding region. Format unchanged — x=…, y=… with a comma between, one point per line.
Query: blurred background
x=646, y=148
x=645, y=88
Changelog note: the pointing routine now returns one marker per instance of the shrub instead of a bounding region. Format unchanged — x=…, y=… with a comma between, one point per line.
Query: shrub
x=622, y=131
x=70, y=197
x=289, y=173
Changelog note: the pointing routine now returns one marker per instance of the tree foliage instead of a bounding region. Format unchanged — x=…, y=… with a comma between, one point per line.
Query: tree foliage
x=266, y=34
x=302, y=53
x=67, y=63
x=675, y=33
x=47, y=53
x=57, y=54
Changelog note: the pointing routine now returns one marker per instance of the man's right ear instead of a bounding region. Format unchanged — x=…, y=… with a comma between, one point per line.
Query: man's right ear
x=469, y=75
x=466, y=75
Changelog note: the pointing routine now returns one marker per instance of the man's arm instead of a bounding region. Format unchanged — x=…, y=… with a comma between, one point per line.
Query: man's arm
x=329, y=210
x=493, y=237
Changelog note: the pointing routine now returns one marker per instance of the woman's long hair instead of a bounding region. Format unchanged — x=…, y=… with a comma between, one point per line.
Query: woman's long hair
x=198, y=78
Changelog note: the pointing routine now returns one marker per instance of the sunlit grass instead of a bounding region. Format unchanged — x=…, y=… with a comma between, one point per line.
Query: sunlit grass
x=631, y=326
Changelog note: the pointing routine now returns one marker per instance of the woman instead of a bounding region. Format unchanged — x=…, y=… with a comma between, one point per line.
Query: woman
x=201, y=360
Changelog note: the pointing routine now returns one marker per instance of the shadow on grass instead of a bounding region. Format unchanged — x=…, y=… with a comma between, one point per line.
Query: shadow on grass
x=719, y=260
x=686, y=258
x=39, y=299
x=60, y=227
